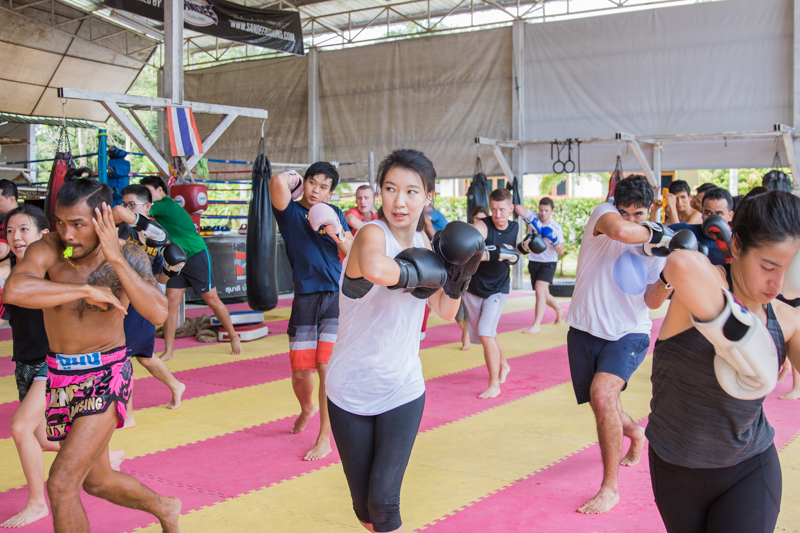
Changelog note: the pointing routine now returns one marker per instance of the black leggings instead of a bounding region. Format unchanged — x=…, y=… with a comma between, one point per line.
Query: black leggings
x=742, y=498
x=375, y=452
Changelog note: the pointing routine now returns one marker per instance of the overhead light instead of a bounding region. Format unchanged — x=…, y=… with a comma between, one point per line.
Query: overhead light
x=136, y=25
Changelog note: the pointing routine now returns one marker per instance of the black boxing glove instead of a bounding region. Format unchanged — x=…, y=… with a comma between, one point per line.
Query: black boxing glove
x=150, y=232
x=683, y=240
x=715, y=227
x=421, y=272
x=531, y=244
x=504, y=252
x=174, y=260
x=702, y=248
x=660, y=236
x=460, y=246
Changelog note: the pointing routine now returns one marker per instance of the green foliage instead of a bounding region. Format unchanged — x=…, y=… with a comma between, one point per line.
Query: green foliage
x=549, y=181
x=748, y=177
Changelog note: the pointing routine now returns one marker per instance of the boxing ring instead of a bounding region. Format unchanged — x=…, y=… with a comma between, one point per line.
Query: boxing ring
x=521, y=462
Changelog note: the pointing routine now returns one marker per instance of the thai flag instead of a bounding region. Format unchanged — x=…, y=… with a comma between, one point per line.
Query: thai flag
x=183, y=137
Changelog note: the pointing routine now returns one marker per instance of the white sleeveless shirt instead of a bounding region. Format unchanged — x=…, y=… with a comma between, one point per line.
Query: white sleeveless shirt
x=375, y=363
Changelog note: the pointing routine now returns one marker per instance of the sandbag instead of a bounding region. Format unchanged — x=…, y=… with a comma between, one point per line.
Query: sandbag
x=61, y=164
x=261, y=269
x=516, y=193
x=478, y=192
x=615, y=177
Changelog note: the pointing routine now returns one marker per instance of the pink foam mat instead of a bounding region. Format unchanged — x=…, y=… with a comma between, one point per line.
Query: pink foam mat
x=178, y=467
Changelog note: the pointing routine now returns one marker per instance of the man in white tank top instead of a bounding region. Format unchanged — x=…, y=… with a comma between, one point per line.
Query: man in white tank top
x=609, y=321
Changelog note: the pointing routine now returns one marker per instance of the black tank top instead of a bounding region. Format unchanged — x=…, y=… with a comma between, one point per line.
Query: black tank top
x=28, y=334
x=694, y=423
x=493, y=277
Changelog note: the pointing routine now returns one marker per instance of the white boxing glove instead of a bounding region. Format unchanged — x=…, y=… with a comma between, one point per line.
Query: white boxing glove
x=746, y=363
x=791, y=281
x=295, y=184
x=323, y=215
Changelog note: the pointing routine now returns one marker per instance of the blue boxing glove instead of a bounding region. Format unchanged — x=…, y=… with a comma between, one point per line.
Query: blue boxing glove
x=534, y=221
x=549, y=233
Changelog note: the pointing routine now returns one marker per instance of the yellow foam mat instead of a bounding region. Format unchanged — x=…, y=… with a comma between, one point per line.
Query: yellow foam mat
x=789, y=519
x=442, y=475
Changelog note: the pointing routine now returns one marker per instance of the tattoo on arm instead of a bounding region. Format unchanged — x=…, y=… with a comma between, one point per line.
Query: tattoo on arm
x=139, y=261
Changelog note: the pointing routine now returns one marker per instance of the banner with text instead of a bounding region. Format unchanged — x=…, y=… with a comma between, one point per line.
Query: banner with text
x=267, y=28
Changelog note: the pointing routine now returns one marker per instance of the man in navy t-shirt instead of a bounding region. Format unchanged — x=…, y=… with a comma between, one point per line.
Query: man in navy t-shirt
x=314, y=257
x=716, y=201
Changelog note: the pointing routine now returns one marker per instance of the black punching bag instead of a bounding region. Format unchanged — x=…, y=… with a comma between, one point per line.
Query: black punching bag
x=478, y=192
x=262, y=239
x=516, y=192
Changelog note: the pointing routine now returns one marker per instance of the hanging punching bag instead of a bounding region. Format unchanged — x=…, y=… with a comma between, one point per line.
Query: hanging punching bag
x=61, y=164
x=262, y=239
x=478, y=192
x=516, y=192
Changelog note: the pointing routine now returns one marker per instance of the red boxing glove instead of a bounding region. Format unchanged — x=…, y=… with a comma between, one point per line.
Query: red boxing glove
x=715, y=227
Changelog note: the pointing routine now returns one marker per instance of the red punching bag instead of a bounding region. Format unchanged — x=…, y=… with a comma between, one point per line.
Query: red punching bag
x=193, y=197
x=61, y=164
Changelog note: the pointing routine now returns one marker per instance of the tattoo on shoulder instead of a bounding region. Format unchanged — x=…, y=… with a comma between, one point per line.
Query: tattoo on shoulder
x=139, y=260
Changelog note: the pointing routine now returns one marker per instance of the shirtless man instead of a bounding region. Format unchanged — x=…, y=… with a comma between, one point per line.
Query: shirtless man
x=83, y=279
x=679, y=205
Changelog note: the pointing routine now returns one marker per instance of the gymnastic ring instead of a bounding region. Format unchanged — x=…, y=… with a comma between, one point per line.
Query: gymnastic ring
x=569, y=162
x=555, y=166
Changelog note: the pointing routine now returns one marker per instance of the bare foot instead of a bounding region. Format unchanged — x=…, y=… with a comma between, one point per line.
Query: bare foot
x=635, y=451
x=28, y=515
x=129, y=422
x=176, y=397
x=793, y=394
x=169, y=522
x=559, y=316
x=168, y=355
x=504, y=373
x=302, y=420
x=605, y=500
x=492, y=392
x=236, y=345
x=116, y=457
x=532, y=329
x=466, y=347
x=320, y=450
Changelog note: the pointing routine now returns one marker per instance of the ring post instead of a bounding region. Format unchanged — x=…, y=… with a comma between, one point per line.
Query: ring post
x=102, y=156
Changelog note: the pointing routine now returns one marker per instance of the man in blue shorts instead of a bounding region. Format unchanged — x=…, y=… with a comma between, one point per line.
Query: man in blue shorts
x=314, y=232
x=617, y=281
x=140, y=333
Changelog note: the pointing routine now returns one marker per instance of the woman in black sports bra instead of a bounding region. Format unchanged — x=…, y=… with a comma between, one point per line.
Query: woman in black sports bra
x=713, y=463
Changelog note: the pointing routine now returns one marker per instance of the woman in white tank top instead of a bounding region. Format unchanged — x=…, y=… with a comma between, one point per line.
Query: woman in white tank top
x=375, y=387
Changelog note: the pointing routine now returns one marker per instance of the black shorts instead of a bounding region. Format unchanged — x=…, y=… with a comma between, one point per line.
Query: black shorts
x=140, y=334
x=541, y=272
x=589, y=355
x=196, y=273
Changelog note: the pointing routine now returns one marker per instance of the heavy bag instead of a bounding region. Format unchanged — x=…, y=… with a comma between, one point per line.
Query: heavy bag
x=261, y=268
x=478, y=192
x=61, y=164
x=516, y=193
x=616, y=176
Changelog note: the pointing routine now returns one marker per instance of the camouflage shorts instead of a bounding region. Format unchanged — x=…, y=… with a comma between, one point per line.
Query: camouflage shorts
x=26, y=374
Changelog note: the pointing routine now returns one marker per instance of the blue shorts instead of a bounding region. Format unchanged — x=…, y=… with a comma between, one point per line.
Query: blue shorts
x=589, y=355
x=140, y=334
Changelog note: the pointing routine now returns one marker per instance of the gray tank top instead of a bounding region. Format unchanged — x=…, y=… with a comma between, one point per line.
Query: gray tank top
x=694, y=423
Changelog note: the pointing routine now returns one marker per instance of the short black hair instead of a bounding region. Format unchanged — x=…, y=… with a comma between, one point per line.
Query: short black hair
x=704, y=187
x=155, y=182
x=775, y=180
x=767, y=218
x=9, y=188
x=76, y=190
x=718, y=193
x=679, y=185
x=35, y=214
x=140, y=191
x=634, y=191
x=323, y=167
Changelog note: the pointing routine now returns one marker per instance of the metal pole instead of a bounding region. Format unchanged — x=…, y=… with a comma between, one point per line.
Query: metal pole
x=102, y=156
x=313, y=105
x=372, y=175
x=173, y=50
x=517, y=120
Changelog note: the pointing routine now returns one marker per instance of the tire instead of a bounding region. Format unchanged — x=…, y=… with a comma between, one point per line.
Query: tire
x=562, y=288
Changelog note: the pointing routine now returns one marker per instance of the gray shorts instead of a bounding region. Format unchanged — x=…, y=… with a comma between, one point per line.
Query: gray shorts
x=483, y=315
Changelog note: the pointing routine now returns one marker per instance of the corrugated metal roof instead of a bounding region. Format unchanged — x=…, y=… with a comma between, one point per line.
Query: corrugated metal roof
x=48, y=121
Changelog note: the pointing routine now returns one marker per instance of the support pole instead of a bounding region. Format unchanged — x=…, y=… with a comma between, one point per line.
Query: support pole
x=313, y=105
x=372, y=173
x=795, y=92
x=173, y=50
x=633, y=143
x=102, y=156
x=518, y=132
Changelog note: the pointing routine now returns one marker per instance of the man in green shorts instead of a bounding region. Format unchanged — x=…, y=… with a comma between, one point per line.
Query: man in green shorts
x=197, y=271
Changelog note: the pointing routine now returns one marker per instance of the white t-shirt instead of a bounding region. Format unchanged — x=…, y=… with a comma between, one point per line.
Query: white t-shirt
x=375, y=363
x=608, y=301
x=550, y=255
